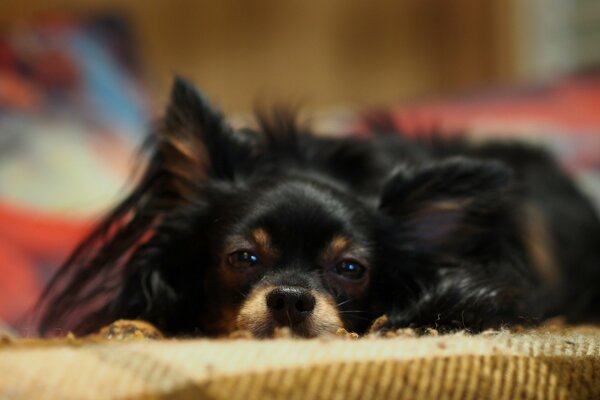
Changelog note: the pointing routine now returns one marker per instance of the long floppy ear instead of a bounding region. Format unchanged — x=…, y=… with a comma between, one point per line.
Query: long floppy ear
x=191, y=145
x=448, y=206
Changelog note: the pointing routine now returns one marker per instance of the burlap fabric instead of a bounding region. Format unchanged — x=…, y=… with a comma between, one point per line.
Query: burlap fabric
x=527, y=365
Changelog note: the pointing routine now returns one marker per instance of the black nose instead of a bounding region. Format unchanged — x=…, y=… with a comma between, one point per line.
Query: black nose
x=290, y=305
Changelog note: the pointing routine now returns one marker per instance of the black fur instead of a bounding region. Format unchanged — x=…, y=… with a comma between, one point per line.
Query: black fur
x=442, y=226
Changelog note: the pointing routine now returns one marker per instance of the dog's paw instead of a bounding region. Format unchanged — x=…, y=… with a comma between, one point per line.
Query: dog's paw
x=386, y=326
x=379, y=324
x=130, y=330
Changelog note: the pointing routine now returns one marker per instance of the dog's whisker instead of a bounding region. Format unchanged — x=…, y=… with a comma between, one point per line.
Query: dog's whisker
x=344, y=302
x=360, y=318
x=351, y=311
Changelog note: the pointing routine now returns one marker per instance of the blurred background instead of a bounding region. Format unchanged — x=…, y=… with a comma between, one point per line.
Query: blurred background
x=334, y=52
x=81, y=80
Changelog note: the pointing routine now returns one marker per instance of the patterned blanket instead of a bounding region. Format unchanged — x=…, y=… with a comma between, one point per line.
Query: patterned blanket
x=540, y=364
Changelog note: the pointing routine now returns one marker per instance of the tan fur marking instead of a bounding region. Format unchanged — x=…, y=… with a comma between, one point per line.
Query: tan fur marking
x=191, y=149
x=261, y=238
x=337, y=246
x=187, y=159
x=539, y=246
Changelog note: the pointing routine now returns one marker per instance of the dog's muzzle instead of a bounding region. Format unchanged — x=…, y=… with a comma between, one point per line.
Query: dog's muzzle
x=308, y=313
x=290, y=305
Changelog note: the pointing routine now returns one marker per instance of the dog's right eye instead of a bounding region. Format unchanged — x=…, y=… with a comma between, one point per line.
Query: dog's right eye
x=242, y=259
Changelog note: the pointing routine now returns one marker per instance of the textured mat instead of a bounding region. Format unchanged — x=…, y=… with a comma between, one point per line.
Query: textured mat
x=529, y=365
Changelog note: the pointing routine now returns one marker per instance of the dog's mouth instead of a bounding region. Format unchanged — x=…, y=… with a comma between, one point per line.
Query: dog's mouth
x=305, y=312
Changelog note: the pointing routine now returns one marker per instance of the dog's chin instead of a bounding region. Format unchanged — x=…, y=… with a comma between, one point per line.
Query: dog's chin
x=269, y=328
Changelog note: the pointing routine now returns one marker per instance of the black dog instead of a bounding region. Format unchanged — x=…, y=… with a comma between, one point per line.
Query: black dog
x=256, y=229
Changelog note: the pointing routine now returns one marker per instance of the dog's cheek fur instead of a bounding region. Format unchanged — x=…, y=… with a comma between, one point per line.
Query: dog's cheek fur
x=253, y=315
x=325, y=318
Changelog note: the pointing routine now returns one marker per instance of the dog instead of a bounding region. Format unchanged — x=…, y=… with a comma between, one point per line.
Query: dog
x=257, y=229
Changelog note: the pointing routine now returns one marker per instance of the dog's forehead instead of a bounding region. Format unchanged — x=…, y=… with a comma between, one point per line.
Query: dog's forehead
x=303, y=214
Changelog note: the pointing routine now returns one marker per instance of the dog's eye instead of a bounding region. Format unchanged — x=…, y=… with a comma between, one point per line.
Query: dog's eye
x=242, y=259
x=350, y=269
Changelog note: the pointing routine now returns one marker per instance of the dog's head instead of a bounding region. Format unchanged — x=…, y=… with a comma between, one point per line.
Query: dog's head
x=258, y=229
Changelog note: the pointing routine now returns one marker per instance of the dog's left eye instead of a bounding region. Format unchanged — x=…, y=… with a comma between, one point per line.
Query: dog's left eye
x=242, y=259
x=350, y=269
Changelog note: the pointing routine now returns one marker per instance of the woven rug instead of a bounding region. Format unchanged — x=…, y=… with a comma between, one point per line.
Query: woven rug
x=561, y=364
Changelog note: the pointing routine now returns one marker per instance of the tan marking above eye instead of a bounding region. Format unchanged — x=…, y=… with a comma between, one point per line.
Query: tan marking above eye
x=336, y=247
x=339, y=244
x=263, y=246
x=261, y=238
x=342, y=248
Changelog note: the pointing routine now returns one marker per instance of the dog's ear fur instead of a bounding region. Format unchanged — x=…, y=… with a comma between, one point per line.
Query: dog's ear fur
x=193, y=143
x=444, y=206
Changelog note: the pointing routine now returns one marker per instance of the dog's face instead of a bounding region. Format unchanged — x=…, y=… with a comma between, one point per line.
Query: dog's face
x=266, y=228
x=297, y=253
